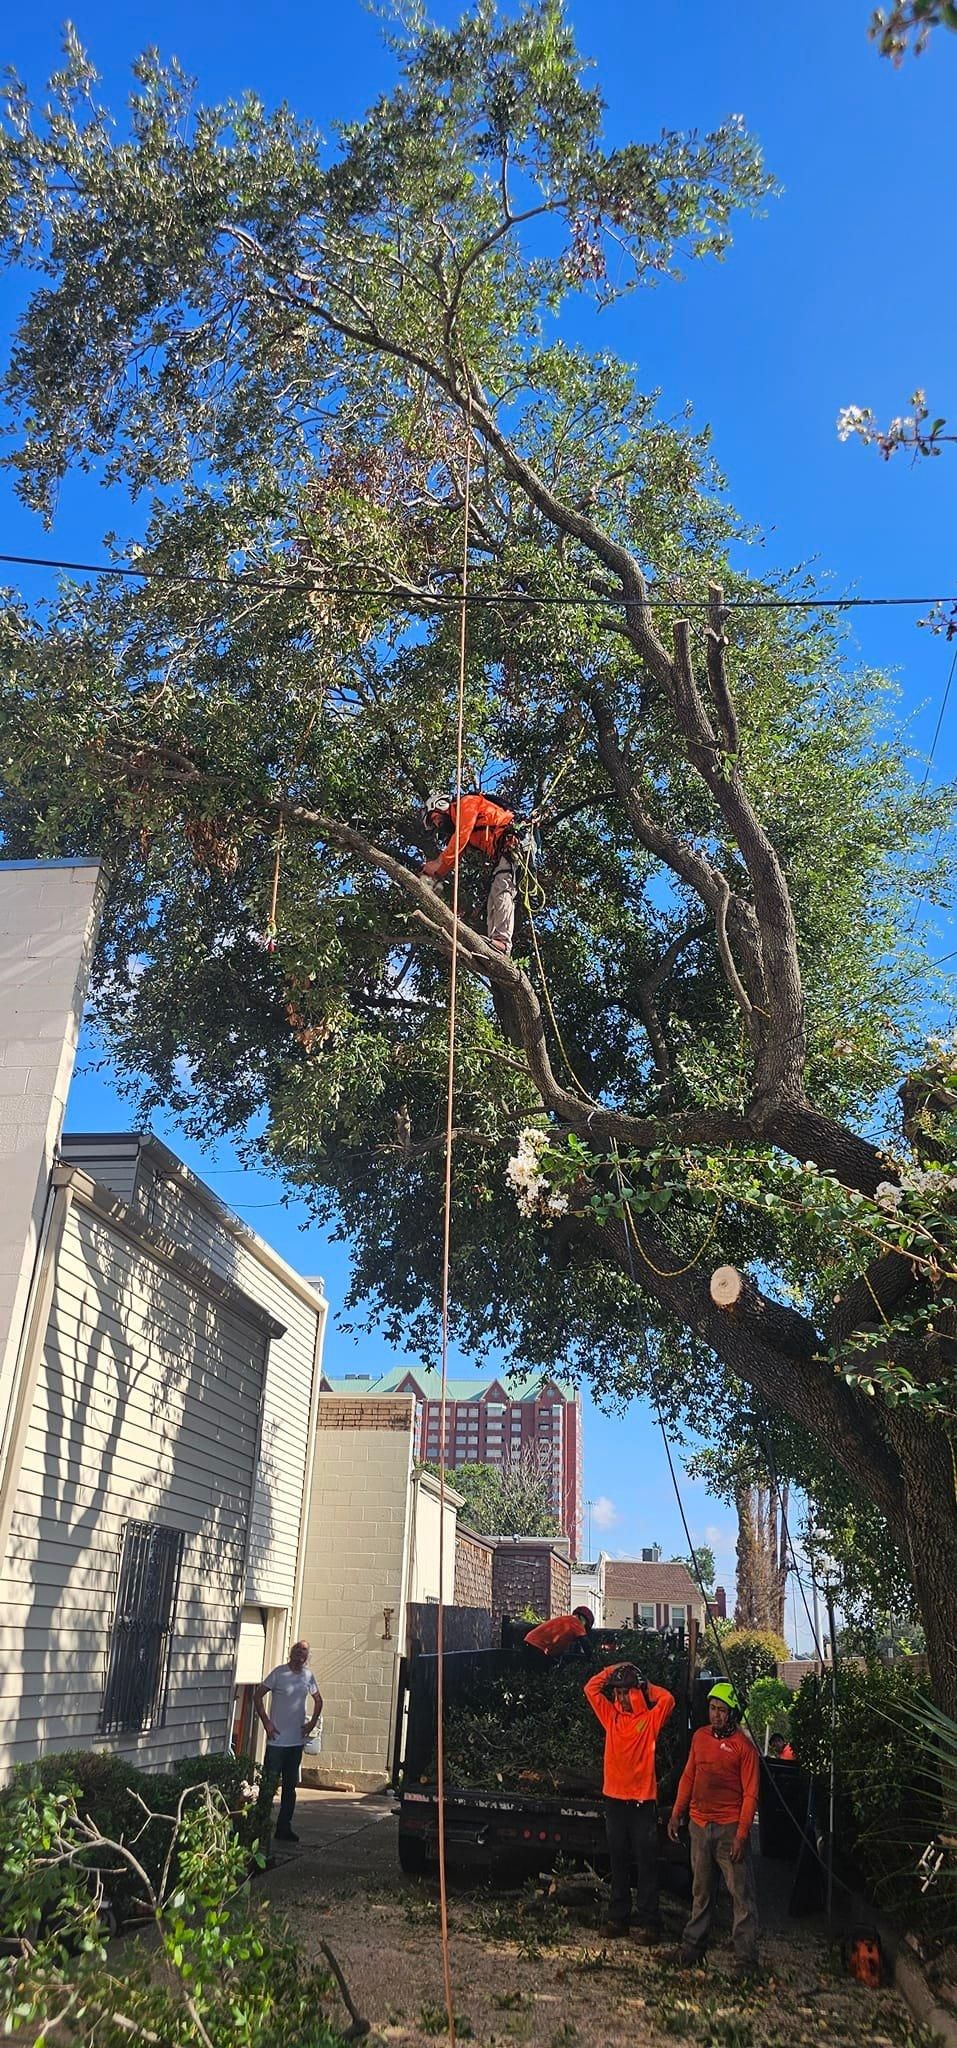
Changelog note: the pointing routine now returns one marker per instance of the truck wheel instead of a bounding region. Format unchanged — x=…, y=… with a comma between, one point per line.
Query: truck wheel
x=412, y=1855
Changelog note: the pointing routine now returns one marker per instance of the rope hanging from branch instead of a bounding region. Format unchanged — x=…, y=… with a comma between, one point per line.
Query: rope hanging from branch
x=446, y=1240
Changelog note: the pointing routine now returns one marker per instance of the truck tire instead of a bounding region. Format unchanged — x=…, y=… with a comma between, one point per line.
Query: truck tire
x=413, y=1856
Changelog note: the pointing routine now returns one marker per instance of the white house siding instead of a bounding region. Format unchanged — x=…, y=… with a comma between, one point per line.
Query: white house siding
x=355, y=1574
x=147, y=1405
x=184, y=1211
x=48, y=918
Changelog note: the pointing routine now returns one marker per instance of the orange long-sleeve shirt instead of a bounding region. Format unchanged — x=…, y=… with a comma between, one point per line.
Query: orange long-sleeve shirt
x=630, y=1736
x=720, y=1780
x=552, y=1637
x=479, y=823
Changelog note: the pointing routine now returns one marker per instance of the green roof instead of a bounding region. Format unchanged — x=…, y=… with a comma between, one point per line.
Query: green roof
x=429, y=1382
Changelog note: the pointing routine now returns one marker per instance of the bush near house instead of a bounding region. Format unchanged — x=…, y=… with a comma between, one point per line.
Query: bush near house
x=750, y=1654
x=108, y=1790
x=769, y=1709
x=896, y=1785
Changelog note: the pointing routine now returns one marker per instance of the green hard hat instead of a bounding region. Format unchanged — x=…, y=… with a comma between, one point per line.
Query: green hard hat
x=726, y=1693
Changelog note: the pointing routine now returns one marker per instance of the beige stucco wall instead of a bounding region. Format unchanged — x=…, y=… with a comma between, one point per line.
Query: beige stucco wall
x=355, y=1580
x=426, y=1524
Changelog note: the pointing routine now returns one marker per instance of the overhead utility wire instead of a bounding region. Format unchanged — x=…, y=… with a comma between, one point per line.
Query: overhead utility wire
x=252, y=580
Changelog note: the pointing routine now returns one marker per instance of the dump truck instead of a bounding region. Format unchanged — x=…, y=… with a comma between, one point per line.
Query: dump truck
x=523, y=1754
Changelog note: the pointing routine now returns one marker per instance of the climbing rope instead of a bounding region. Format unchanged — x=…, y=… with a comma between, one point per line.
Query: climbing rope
x=446, y=1246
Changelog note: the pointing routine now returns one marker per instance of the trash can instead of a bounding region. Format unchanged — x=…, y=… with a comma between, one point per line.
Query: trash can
x=782, y=1809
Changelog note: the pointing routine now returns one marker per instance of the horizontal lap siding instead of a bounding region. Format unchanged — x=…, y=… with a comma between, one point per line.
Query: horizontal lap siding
x=147, y=1407
x=277, y=1503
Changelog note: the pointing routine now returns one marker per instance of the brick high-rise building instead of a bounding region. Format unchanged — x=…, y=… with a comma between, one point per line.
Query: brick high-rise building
x=491, y=1422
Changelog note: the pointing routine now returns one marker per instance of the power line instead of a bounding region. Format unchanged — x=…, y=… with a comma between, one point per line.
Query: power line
x=940, y=721
x=251, y=580
x=930, y=762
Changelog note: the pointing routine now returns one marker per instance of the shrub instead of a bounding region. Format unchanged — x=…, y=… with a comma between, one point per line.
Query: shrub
x=229, y=1975
x=107, y=1791
x=894, y=1793
x=769, y=1708
x=752, y=1653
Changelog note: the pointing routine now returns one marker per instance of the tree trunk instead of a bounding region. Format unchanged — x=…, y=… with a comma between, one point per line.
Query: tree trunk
x=745, y=1604
x=927, y=1459
x=781, y=1566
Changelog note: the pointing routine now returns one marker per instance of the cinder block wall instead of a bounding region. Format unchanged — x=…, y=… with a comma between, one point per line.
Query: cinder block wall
x=356, y=1567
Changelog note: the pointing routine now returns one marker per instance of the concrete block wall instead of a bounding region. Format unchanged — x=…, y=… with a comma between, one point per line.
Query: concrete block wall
x=355, y=1580
x=49, y=911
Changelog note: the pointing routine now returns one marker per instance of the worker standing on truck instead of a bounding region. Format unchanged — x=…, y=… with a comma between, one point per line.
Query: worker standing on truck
x=632, y=1713
x=720, y=1785
x=565, y=1636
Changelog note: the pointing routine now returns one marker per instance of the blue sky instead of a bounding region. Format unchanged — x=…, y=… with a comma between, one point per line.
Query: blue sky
x=844, y=292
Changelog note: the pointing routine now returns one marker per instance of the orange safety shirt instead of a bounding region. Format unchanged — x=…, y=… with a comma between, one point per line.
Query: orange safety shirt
x=479, y=823
x=630, y=1736
x=552, y=1637
x=720, y=1780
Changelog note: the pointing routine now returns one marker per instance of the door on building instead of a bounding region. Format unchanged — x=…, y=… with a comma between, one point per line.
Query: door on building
x=250, y=1670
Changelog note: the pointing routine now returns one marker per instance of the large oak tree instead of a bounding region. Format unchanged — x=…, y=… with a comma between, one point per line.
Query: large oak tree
x=287, y=356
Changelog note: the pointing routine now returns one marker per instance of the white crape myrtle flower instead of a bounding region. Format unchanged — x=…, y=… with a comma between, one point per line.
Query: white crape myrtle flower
x=524, y=1174
x=888, y=1195
x=854, y=419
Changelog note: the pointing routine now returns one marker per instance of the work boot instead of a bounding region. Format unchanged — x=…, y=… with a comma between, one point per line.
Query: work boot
x=285, y=1835
x=616, y=1930
x=746, y=1969
x=646, y=1937
x=690, y=1958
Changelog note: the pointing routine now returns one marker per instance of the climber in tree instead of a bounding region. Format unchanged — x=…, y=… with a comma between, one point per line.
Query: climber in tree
x=478, y=822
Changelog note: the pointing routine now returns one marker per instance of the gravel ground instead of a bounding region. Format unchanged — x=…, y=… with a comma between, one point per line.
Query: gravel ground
x=528, y=1973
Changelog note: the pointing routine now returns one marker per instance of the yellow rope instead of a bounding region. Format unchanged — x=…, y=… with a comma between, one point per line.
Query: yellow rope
x=662, y=1272
x=271, y=920
x=446, y=1249
x=583, y=1092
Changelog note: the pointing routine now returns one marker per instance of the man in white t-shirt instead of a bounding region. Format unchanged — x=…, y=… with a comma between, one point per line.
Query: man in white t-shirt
x=294, y=1709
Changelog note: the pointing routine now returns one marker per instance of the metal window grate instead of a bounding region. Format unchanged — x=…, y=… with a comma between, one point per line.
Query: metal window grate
x=147, y=1586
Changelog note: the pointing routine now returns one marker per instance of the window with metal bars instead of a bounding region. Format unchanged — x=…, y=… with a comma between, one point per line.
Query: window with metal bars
x=137, y=1677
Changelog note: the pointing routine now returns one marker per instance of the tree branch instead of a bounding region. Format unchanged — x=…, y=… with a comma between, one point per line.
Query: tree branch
x=704, y=1127
x=646, y=992
x=717, y=677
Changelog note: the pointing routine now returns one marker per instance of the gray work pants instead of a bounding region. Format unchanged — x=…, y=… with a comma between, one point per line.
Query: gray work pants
x=500, y=908
x=711, y=1853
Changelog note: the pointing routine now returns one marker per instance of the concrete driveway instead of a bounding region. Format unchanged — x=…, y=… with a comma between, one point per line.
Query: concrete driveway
x=343, y=1837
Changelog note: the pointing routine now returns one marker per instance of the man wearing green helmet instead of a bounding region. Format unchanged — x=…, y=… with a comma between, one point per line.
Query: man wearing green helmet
x=720, y=1786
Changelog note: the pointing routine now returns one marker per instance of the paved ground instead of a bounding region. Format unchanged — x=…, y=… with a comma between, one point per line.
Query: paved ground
x=341, y=1836
x=529, y=1974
